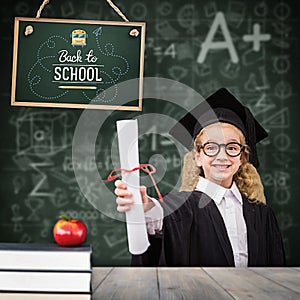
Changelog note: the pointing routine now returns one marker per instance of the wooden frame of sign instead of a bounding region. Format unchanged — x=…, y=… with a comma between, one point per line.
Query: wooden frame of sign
x=78, y=64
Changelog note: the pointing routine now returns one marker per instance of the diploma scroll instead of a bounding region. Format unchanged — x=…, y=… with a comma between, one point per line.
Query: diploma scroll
x=129, y=158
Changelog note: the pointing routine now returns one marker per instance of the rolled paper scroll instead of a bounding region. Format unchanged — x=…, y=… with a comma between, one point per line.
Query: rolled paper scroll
x=129, y=159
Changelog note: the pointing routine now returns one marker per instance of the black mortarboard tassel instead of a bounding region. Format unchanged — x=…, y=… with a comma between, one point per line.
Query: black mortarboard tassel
x=221, y=106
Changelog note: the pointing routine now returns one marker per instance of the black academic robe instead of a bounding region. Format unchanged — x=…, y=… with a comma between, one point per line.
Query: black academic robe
x=194, y=234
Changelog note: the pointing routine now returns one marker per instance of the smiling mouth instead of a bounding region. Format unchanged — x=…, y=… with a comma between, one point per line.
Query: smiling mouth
x=222, y=167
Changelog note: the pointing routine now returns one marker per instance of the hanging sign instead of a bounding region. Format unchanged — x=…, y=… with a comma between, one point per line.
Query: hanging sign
x=77, y=63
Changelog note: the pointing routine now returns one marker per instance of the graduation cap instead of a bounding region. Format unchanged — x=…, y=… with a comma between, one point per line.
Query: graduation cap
x=221, y=106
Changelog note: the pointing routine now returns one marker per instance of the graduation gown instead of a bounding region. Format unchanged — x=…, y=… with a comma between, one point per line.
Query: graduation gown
x=194, y=234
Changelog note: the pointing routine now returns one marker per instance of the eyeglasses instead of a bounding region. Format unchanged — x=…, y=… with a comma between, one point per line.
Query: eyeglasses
x=212, y=149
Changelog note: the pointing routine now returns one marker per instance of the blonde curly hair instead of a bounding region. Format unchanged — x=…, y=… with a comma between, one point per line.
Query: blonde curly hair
x=246, y=178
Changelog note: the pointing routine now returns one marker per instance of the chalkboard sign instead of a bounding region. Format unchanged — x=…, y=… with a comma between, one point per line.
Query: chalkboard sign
x=72, y=63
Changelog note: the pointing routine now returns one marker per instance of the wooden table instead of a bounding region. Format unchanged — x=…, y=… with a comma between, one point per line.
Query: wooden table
x=195, y=283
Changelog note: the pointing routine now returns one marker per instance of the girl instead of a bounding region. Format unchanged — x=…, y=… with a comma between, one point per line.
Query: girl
x=220, y=217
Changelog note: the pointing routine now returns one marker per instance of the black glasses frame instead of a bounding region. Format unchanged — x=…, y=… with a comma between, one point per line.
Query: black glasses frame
x=219, y=148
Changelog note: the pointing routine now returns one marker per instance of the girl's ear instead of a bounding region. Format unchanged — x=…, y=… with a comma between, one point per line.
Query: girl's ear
x=243, y=158
x=197, y=158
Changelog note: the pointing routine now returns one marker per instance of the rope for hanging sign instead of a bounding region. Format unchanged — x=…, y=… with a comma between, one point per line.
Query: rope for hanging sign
x=133, y=32
x=29, y=28
x=117, y=10
x=45, y=2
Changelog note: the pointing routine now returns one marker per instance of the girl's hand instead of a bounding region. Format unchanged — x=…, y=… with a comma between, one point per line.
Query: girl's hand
x=125, y=199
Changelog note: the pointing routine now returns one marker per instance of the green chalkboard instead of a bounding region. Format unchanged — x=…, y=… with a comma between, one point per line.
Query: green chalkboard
x=190, y=46
x=71, y=63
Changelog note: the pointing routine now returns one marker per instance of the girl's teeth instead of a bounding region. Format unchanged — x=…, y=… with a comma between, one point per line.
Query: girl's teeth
x=221, y=167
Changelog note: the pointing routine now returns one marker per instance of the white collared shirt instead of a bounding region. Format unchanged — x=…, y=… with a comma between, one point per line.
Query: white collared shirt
x=230, y=205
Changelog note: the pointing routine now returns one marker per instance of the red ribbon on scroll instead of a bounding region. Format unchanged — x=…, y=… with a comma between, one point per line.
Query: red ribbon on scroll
x=147, y=168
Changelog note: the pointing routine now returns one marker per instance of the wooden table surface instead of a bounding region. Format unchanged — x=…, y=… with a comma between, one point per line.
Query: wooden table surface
x=195, y=283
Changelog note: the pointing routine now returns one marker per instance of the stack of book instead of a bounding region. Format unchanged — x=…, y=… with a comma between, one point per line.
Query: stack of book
x=45, y=272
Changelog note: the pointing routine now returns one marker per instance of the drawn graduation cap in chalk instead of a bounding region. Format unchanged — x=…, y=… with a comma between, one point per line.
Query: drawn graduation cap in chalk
x=221, y=106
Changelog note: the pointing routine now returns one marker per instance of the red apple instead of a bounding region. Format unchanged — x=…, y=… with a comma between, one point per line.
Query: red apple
x=69, y=232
